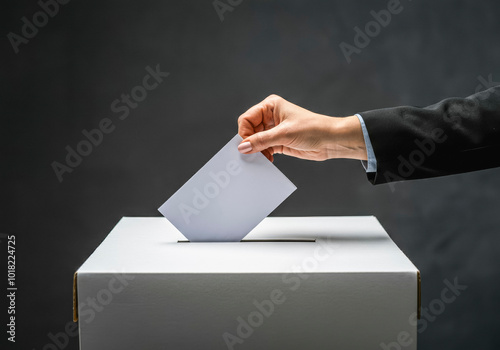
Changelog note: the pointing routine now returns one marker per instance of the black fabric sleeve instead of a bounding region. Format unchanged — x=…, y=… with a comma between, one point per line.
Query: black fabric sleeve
x=453, y=136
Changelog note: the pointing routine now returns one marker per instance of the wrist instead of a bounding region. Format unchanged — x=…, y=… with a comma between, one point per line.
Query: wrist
x=346, y=138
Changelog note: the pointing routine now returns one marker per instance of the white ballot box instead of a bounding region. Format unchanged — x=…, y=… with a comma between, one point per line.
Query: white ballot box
x=292, y=283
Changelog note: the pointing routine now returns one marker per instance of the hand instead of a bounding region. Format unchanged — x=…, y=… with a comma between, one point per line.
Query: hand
x=278, y=126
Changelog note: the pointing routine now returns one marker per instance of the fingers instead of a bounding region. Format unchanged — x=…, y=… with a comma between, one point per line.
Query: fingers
x=255, y=127
x=268, y=140
x=268, y=155
x=259, y=117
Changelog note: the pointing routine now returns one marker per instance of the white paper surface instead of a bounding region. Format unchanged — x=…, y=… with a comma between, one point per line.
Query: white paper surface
x=228, y=196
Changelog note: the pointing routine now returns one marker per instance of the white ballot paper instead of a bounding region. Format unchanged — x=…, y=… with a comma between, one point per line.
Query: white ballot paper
x=228, y=196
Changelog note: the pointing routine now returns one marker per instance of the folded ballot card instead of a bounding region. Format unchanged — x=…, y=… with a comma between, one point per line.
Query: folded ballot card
x=228, y=196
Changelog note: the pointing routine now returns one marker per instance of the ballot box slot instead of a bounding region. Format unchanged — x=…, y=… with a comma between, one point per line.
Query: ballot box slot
x=262, y=241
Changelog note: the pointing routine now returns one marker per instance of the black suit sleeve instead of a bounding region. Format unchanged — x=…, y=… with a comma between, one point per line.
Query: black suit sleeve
x=453, y=136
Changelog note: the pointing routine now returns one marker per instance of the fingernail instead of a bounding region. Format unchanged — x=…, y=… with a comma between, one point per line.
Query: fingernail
x=245, y=147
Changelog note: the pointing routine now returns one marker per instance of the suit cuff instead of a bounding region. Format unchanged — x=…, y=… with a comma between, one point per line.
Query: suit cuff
x=370, y=165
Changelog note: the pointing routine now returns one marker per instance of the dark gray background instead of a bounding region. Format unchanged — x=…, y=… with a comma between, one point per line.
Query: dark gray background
x=65, y=78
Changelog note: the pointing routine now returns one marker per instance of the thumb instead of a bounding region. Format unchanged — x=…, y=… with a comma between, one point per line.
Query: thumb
x=262, y=140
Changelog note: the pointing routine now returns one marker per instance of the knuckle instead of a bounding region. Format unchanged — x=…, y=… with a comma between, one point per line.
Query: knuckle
x=274, y=97
x=259, y=140
x=243, y=120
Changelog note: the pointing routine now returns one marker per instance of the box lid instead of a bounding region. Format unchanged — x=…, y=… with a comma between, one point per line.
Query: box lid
x=356, y=244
